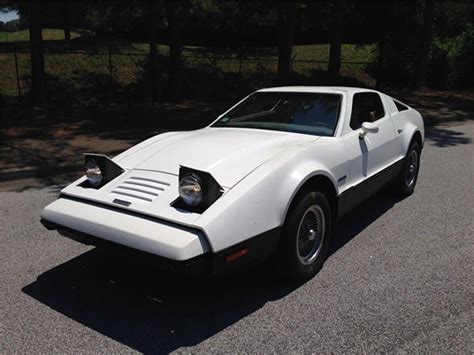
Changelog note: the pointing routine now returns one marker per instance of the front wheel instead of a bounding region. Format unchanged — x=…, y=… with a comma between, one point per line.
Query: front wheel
x=306, y=235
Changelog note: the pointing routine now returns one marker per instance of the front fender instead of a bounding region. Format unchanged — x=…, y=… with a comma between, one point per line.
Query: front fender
x=261, y=200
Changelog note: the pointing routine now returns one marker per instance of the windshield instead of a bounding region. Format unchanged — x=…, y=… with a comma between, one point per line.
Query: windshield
x=309, y=113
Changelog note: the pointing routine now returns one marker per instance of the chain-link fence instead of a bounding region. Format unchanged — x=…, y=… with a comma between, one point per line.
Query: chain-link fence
x=107, y=74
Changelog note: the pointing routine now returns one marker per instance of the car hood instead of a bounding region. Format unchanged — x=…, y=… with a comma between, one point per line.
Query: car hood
x=228, y=154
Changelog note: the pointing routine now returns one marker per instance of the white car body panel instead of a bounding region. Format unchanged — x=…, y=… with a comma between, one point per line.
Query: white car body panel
x=268, y=190
x=261, y=171
x=244, y=151
x=147, y=235
x=407, y=122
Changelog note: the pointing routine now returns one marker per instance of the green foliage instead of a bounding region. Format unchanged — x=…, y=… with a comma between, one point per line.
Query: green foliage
x=115, y=16
x=223, y=30
x=451, y=59
x=451, y=17
x=461, y=45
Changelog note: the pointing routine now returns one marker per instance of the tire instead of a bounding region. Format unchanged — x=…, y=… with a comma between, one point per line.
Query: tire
x=409, y=174
x=305, y=239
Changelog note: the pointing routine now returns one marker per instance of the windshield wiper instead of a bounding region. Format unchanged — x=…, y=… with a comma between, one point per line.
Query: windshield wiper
x=252, y=115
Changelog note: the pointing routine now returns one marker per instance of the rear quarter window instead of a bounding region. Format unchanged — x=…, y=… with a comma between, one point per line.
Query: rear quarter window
x=400, y=107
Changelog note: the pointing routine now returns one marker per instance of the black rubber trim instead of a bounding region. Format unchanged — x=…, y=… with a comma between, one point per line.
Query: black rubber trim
x=354, y=196
x=198, y=265
x=260, y=248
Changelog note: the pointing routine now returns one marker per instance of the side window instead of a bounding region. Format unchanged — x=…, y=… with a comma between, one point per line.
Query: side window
x=366, y=107
x=400, y=107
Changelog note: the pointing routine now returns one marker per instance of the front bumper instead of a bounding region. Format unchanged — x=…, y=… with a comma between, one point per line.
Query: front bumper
x=151, y=235
x=165, y=245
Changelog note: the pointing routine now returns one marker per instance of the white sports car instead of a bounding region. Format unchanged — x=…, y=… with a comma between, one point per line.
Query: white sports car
x=270, y=177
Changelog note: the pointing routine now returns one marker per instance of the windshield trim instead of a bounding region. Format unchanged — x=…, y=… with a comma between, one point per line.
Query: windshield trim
x=215, y=124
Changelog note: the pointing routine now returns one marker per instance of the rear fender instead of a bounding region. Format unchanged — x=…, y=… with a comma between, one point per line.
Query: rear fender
x=408, y=123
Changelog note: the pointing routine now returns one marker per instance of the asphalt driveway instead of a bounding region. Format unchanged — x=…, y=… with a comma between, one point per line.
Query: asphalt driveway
x=400, y=278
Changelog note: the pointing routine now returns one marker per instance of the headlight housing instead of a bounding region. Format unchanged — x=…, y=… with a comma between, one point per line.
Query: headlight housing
x=197, y=190
x=99, y=170
x=93, y=173
x=190, y=189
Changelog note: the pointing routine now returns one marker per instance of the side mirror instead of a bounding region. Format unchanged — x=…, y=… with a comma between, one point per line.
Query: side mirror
x=368, y=127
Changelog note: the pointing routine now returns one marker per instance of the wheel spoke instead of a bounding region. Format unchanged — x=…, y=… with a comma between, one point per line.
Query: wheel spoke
x=310, y=234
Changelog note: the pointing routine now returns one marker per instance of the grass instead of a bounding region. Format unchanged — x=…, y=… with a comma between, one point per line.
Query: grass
x=49, y=34
x=84, y=75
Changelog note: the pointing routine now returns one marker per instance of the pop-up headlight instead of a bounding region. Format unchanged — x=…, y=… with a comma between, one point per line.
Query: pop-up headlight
x=99, y=170
x=197, y=190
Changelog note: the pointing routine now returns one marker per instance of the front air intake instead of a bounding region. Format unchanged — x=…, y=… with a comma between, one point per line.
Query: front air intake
x=140, y=188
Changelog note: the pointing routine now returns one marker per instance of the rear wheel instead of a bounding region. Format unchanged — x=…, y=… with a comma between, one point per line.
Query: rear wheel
x=409, y=174
x=306, y=235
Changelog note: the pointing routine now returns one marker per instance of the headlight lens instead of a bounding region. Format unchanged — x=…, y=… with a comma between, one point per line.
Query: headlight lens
x=93, y=173
x=190, y=189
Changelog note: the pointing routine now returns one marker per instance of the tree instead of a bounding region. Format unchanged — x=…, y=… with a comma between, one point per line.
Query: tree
x=12, y=26
x=425, y=44
x=286, y=21
x=153, y=52
x=37, y=54
x=174, y=74
x=67, y=20
x=336, y=38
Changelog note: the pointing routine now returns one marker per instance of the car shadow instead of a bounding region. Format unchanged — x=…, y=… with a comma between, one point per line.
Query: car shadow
x=361, y=217
x=152, y=311
x=148, y=310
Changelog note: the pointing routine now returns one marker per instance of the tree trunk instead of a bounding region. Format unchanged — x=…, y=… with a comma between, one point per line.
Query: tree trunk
x=67, y=34
x=286, y=31
x=67, y=20
x=174, y=74
x=153, y=52
x=382, y=46
x=336, y=40
x=391, y=8
x=425, y=41
x=36, y=50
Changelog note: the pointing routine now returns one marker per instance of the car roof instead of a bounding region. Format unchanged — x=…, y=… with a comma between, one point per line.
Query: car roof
x=317, y=89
